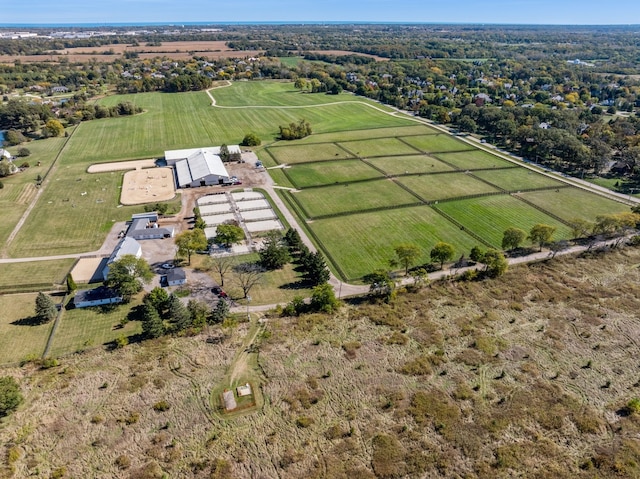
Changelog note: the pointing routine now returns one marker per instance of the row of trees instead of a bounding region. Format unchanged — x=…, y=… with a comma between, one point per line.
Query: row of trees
x=295, y=131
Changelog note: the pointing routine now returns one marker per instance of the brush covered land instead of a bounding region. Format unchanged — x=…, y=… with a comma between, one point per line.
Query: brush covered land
x=529, y=375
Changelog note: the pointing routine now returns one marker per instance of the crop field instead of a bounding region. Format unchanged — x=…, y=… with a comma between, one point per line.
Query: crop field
x=489, y=217
x=437, y=143
x=20, y=337
x=378, y=147
x=83, y=328
x=73, y=214
x=473, y=160
x=40, y=273
x=445, y=185
x=361, y=243
x=517, y=179
x=326, y=173
x=352, y=197
x=570, y=203
x=307, y=153
x=399, y=165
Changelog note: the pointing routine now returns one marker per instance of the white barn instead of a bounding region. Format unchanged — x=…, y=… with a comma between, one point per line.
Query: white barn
x=173, y=156
x=127, y=245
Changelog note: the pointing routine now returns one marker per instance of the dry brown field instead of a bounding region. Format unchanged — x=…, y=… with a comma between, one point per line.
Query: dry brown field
x=528, y=376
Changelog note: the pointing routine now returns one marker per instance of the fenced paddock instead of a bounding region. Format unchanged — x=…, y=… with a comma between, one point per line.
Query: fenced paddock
x=378, y=147
x=490, y=216
x=352, y=197
x=215, y=209
x=368, y=133
x=121, y=166
x=258, y=215
x=445, y=185
x=409, y=164
x=473, y=160
x=306, y=153
x=212, y=199
x=517, y=179
x=437, y=143
x=266, y=225
x=253, y=205
x=329, y=172
x=215, y=220
x=246, y=195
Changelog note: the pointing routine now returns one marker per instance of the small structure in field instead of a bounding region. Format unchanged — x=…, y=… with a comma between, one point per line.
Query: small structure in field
x=85, y=298
x=229, y=400
x=176, y=277
x=244, y=390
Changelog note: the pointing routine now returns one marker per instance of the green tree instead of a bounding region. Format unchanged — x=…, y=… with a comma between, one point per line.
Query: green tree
x=495, y=263
x=152, y=326
x=316, y=270
x=407, y=254
x=323, y=298
x=293, y=240
x=128, y=274
x=10, y=395
x=541, y=234
x=224, y=152
x=53, y=128
x=301, y=83
x=198, y=310
x=71, y=284
x=227, y=235
x=220, y=312
x=188, y=242
x=45, y=308
x=512, y=238
x=251, y=139
x=178, y=313
x=442, y=252
x=380, y=285
x=274, y=253
x=158, y=298
x=476, y=254
x=580, y=228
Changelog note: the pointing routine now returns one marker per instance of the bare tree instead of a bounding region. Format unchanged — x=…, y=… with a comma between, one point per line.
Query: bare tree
x=221, y=265
x=248, y=275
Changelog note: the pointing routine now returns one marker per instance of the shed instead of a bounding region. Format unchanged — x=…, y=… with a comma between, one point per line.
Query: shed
x=244, y=390
x=229, y=400
x=85, y=298
x=176, y=277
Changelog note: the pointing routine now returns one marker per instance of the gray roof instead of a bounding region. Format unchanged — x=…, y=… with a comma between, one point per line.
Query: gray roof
x=198, y=165
x=175, y=155
x=176, y=274
x=96, y=294
x=126, y=245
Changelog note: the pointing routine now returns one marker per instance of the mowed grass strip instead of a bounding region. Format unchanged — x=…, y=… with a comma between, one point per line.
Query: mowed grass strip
x=437, y=143
x=488, y=217
x=15, y=275
x=514, y=179
x=570, y=203
x=329, y=172
x=82, y=328
x=378, y=147
x=364, y=242
x=445, y=186
x=399, y=165
x=20, y=337
x=473, y=160
x=410, y=129
x=73, y=215
x=292, y=154
x=353, y=197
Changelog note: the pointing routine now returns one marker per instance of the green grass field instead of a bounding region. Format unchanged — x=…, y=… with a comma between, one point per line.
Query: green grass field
x=378, y=147
x=326, y=173
x=364, y=242
x=352, y=197
x=44, y=273
x=405, y=127
x=88, y=327
x=398, y=165
x=517, y=179
x=291, y=154
x=473, y=160
x=569, y=203
x=490, y=216
x=19, y=338
x=445, y=185
x=437, y=143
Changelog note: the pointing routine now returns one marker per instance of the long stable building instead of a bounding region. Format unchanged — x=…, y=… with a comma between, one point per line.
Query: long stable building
x=199, y=166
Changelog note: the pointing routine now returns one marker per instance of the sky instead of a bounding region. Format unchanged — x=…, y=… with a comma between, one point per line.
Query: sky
x=564, y=12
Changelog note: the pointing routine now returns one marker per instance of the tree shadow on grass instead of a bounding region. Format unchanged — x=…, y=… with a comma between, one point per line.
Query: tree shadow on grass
x=30, y=321
x=302, y=284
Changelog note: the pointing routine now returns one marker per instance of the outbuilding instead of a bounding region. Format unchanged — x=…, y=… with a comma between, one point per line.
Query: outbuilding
x=85, y=298
x=176, y=277
x=126, y=245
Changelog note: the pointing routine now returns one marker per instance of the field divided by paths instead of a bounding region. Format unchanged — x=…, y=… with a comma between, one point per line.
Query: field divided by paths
x=326, y=173
x=445, y=186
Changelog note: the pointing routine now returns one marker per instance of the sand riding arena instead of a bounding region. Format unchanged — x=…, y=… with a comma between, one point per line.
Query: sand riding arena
x=144, y=183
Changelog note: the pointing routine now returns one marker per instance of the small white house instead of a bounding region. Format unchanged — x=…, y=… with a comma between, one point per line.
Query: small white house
x=85, y=298
x=176, y=277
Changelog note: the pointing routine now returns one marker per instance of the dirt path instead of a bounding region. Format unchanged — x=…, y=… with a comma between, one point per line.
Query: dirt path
x=240, y=366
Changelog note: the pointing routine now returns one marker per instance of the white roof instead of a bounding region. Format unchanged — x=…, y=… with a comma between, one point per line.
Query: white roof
x=174, y=155
x=127, y=245
x=198, y=165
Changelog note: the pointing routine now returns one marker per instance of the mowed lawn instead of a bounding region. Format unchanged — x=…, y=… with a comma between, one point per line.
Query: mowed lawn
x=73, y=215
x=20, y=338
x=292, y=154
x=378, y=147
x=473, y=160
x=570, y=203
x=40, y=273
x=361, y=243
x=488, y=217
x=352, y=197
x=515, y=179
x=399, y=165
x=87, y=327
x=437, y=143
x=329, y=172
x=445, y=185
x=367, y=132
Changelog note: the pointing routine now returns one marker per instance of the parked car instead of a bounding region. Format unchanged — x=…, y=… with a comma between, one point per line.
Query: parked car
x=218, y=291
x=168, y=266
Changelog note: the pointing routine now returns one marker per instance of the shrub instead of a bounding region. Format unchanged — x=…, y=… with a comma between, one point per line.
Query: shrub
x=123, y=462
x=304, y=421
x=251, y=139
x=24, y=152
x=161, y=406
x=10, y=395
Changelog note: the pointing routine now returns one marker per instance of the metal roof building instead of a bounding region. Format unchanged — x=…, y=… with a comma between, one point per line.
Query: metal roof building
x=200, y=168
